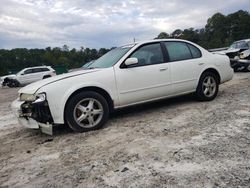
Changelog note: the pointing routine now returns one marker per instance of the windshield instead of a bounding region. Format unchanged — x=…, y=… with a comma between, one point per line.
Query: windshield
x=239, y=45
x=86, y=65
x=233, y=46
x=248, y=43
x=110, y=58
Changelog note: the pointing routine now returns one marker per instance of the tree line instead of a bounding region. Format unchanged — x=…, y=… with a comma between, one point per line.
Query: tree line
x=220, y=31
x=19, y=58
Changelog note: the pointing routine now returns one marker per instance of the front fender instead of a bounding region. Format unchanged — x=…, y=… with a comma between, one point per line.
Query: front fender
x=58, y=94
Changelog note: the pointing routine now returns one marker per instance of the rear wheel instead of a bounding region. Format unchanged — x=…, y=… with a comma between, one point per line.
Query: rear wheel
x=86, y=111
x=208, y=86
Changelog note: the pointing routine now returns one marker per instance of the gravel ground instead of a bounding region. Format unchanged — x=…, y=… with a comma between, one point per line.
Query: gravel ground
x=172, y=143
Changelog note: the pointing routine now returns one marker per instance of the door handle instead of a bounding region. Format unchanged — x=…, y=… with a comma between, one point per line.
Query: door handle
x=200, y=63
x=163, y=69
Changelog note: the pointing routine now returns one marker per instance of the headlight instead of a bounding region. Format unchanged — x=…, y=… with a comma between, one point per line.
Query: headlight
x=242, y=56
x=27, y=97
x=33, y=97
x=40, y=97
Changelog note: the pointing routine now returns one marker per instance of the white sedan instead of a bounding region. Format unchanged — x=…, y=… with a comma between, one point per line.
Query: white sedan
x=128, y=75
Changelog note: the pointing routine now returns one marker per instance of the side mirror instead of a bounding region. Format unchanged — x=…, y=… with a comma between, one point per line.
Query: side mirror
x=131, y=61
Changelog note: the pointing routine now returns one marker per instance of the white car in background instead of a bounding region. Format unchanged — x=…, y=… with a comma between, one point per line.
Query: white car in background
x=27, y=76
x=125, y=76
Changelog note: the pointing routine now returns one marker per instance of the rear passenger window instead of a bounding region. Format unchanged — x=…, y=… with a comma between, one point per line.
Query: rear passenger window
x=196, y=53
x=178, y=51
x=44, y=69
x=36, y=70
x=40, y=70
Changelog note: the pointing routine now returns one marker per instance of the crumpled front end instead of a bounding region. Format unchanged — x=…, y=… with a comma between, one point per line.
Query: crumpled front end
x=240, y=60
x=34, y=114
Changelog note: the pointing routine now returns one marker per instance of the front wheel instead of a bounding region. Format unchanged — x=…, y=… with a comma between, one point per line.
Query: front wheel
x=208, y=87
x=86, y=111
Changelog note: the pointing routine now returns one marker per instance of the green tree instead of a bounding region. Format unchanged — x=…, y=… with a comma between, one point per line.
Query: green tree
x=220, y=30
x=177, y=33
x=163, y=35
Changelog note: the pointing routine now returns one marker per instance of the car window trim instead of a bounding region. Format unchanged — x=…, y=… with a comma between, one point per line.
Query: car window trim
x=188, y=45
x=165, y=52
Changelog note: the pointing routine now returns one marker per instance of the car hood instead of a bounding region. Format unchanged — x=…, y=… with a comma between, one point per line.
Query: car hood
x=9, y=76
x=32, y=88
x=228, y=51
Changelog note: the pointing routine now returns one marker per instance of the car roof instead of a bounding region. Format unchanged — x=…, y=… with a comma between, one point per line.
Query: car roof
x=37, y=67
x=155, y=40
x=243, y=40
x=43, y=66
x=162, y=40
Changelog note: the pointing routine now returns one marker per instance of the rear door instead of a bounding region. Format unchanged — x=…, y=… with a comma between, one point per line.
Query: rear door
x=186, y=65
x=37, y=74
x=41, y=72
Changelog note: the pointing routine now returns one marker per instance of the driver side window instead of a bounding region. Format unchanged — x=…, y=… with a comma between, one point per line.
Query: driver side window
x=149, y=54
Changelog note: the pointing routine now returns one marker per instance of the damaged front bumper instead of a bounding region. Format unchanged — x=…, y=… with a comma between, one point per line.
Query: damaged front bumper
x=239, y=62
x=33, y=115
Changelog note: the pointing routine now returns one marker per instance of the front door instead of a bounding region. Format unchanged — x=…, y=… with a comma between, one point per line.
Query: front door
x=149, y=79
x=26, y=77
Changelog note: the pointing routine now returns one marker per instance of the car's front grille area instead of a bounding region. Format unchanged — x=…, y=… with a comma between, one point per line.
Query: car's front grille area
x=38, y=111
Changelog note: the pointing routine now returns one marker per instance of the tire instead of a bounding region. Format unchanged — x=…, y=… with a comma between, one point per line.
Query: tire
x=86, y=111
x=16, y=83
x=247, y=68
x=11, y=83
x=207, y=90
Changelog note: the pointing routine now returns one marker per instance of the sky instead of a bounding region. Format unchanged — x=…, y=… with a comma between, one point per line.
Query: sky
x=101, y=23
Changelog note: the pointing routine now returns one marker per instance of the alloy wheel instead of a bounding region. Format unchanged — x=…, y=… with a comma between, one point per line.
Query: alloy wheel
x=88, y=112
x=209, y=86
